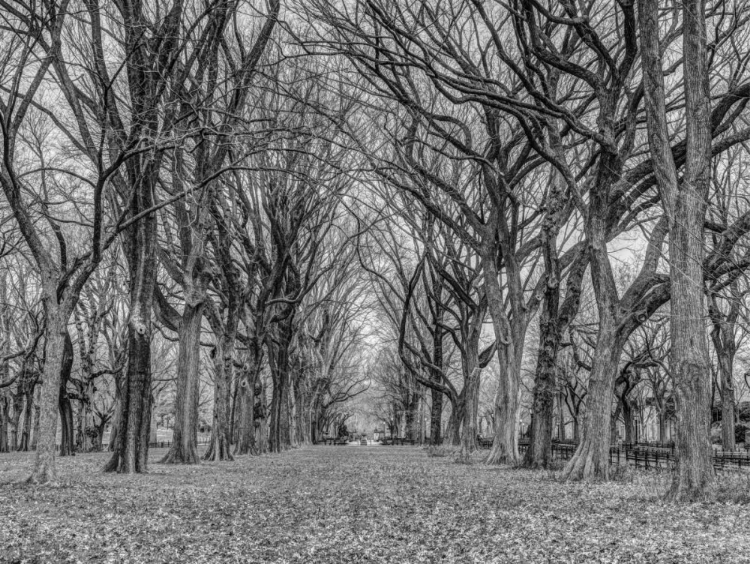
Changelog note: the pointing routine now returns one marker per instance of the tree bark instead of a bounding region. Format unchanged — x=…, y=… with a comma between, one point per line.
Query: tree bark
x=591, y=459
x=44, y=471
x=279, y=424
x=539, y=453
x=130, y=453
x=184, y=448
x=723, y=337
x=507, y=405
x=436, y=417
x=470, y=393
x=685, y=206
x=26, y=425
x=220, y=446
x=67, y=442
x=246, y=440
x=4, y=420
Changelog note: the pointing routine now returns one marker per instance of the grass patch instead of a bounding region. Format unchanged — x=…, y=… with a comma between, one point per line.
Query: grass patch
x=353, y=504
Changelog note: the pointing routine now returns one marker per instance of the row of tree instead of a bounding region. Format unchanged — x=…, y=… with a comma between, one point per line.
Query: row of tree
x=311, y=182
x=529, y=137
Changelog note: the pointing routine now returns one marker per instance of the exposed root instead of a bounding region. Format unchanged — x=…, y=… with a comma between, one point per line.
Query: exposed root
x=585, y=465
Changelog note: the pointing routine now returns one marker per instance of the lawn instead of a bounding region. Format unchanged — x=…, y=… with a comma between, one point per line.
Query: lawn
x=353, y=504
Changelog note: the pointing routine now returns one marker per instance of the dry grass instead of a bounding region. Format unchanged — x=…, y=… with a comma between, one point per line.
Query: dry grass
x=354, y=504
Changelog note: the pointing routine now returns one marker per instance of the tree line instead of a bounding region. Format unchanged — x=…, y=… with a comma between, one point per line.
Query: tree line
x=311, y=197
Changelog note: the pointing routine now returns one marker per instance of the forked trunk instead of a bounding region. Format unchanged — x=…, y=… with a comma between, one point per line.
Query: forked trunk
x=133, y=425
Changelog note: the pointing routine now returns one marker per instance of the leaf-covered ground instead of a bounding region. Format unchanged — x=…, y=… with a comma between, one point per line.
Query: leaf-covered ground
x=352, y=504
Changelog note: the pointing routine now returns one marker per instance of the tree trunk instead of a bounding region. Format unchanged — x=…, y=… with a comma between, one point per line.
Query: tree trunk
x=685, y=206
x=291, y=415
x=694, y=476
x=67, y=442
x=436, y=417
x=727, y=411
x=115, y=422
x=591, y=459
x=725, y=347
x=87, y=417
x=539, y=453
x=246, y=440
x=37, y=410
x=627, y=417
x=453, y=431
x=507, y=405
x=44, y=471
x=279, y=439
x=26, y=425
x=220, y=446
x=261, y=427
x=15, y=435
x=130, y=447
x=4, y=419
x=130, y=454
x=412, y=415
x=470, y=396
x=662, y=426
x=184, y=448
x=436, y=410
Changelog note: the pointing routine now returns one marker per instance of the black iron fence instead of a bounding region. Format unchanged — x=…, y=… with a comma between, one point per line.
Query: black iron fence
x=152, y=444
x=651, y=456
